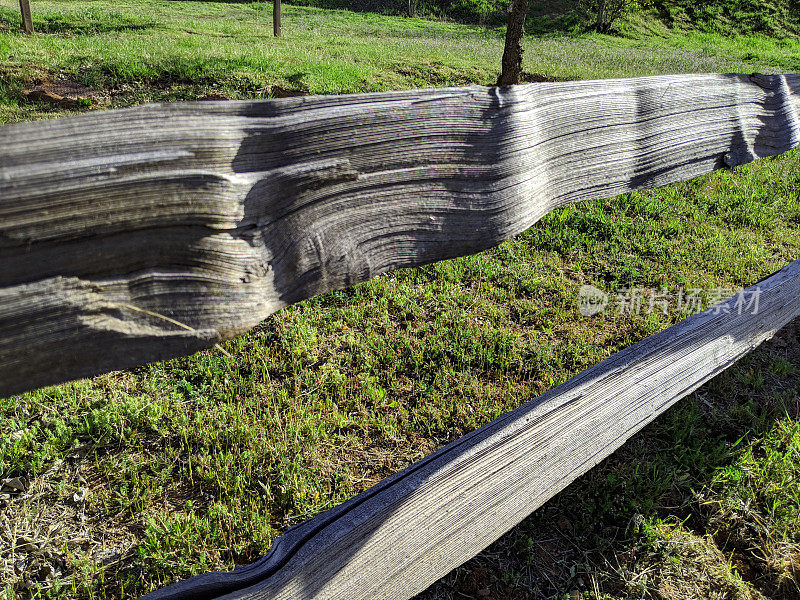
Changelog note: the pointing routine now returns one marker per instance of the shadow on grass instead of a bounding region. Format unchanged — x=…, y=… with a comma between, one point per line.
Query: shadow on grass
x=565, y=20
x=86, y=23
x=180, y=78
x=65, y=26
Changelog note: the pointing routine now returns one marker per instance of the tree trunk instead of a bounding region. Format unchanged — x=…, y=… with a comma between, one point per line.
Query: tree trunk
x=600, y=25
x=276, y=18
x=27, y=20
x=512, y=55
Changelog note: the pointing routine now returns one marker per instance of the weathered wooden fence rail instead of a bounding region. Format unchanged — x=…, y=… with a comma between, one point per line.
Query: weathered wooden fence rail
x=137, y=235
x=403, y=534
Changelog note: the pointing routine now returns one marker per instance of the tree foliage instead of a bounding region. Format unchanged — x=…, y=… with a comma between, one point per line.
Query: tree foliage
x=605, y=12
x=768, y=17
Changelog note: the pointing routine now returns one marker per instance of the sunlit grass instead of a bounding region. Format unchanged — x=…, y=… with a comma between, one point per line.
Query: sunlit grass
x=160, y=50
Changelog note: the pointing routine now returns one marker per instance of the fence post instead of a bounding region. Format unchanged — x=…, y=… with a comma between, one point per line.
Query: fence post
x=276, y=17
x=27, y=20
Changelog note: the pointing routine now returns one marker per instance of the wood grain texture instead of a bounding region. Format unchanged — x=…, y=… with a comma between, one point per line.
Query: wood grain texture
x=403, y=534
x=141, y=234
x=130, y=236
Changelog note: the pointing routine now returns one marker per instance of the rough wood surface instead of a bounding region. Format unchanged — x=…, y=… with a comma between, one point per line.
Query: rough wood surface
x=136, y=235
x=400, y=536
x=129, y=236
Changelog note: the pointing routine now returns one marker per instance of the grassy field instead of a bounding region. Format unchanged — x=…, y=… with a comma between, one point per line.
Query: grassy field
x=134, y=479
x=135, y=51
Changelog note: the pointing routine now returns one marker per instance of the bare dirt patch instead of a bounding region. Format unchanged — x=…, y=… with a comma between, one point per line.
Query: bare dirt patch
x=213, y=97
x=277, y=91
x=64, y=93
x=787, y=341
x=537, y=78
x=50, y=528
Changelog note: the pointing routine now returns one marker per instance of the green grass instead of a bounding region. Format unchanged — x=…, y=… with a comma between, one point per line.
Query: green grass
x=138, y=51
x=198, y=463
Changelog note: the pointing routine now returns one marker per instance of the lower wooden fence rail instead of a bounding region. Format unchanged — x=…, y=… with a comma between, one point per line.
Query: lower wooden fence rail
x=403, y=534
x=141, y=234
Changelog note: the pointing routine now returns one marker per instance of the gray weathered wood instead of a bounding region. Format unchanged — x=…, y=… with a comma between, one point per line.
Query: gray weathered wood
x=409, y=530
x=129, y=236
x=141, y=234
